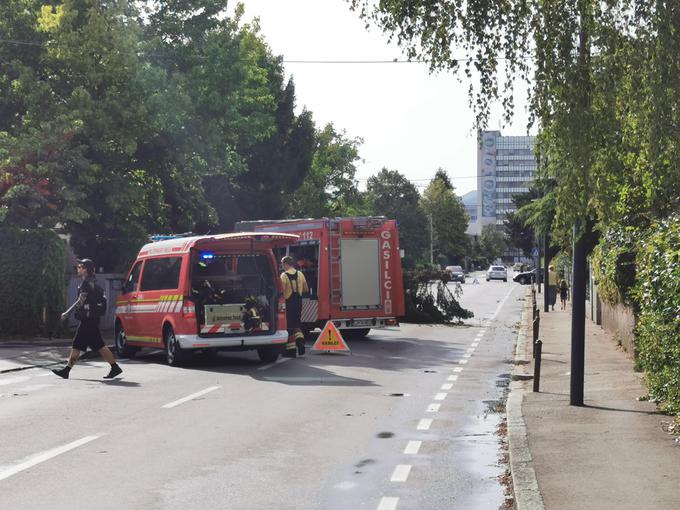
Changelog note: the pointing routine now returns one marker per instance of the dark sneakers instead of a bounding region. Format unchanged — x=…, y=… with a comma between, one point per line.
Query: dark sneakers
x=62, y=372
x=115, y=370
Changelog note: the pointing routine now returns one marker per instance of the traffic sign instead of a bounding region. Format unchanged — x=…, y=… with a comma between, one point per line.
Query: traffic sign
x=534, y=252
x=330, y=339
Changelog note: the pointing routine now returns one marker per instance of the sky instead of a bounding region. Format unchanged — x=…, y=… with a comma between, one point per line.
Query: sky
x=409, y=120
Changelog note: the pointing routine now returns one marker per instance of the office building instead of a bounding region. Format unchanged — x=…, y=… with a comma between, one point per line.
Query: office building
x=506, y=165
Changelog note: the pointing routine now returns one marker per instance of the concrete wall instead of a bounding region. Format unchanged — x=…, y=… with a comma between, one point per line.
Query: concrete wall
x=619, y=320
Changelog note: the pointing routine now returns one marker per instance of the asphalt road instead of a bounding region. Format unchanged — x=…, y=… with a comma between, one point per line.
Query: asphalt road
x=408, y=420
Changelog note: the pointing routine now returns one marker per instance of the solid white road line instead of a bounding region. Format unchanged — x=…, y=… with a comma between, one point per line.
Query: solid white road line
x=43, y=456
x=440, y=396
x=424, y=424
x=500, y=305
x=387, y=503
x=412, y=447
x=190, y=397
x=400, y=473
x=458, y=369
x=280, y=360
x=452, y=378
x=446, y=386
x=433, y=408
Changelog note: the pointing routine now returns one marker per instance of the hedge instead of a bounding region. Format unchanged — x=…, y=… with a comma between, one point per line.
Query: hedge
x=32, y=293
x=658, y=298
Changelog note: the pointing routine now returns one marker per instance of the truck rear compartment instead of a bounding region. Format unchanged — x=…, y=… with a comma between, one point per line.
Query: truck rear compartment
x=235, y=294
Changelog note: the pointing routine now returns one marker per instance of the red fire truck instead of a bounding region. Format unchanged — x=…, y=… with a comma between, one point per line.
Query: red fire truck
x=352, y=265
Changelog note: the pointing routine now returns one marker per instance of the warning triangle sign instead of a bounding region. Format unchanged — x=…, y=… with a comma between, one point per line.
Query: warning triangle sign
x=330, y=339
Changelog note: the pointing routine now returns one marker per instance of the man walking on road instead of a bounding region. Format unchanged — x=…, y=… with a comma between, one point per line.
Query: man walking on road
x=88, y=309
x=294, y=285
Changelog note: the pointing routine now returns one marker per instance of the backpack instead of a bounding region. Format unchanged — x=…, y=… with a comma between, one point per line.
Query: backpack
x=99, y=302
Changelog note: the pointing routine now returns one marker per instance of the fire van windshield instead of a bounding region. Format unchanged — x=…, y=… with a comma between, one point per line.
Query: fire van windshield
x=230, y=289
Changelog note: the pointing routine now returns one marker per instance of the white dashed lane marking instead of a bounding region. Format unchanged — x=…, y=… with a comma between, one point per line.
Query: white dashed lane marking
x=190, y=397
x=401, y=473
x=458, y=369
x=452, y=378
x=413, y=447
x=388, y=503
x=446, y=386
x=440, y=396
x=433, y=408
x=13, y=380
x=424, y=424
x=36, y=459
x=462, y=361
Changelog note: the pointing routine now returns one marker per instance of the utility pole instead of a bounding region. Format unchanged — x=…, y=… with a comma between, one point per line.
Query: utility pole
x=431, y=242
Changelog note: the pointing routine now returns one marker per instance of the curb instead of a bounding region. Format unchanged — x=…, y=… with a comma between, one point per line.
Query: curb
x=524, y=483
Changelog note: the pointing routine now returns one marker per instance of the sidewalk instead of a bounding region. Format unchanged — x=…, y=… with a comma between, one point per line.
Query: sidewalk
x=612, y=453
x=17, y=355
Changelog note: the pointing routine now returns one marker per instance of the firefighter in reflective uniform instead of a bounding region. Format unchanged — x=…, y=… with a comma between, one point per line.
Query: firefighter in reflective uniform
x=294, y=285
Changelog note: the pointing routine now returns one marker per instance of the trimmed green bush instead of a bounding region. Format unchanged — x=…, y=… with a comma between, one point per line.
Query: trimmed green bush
x=32, y=293
x=614, y=264
x=658, y=327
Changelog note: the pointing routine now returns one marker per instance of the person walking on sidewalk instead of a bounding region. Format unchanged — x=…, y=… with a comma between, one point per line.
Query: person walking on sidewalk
x=87, y=310
x=552, y=286
x=294, y=285
x=564, y=292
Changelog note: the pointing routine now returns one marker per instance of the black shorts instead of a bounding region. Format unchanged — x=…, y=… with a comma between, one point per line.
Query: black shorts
x=88, y=335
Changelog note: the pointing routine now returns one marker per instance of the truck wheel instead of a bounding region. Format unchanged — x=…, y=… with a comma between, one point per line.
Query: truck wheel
x=268, y=354
x=122, y=348
x=354, y=334
x=174, y=354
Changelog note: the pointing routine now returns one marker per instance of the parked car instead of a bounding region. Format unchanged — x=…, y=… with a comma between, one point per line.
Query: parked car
x=526, y=277
x=457, y=273
x=497, y=273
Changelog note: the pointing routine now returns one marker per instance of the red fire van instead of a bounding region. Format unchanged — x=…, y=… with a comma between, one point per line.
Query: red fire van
x=214, y=292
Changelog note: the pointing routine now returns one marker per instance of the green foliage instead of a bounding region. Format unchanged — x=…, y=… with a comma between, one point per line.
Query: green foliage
x=425, y=305
x=658, y=326
x=449, y=218
x=390, y=194
x=32, y=291
x=492, y=242
x=613, y=262
x=330, y=189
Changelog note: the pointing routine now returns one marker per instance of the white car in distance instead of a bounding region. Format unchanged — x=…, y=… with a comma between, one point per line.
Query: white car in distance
x=497, y=273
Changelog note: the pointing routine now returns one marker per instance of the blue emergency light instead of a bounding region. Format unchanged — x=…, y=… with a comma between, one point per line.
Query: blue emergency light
x=206, y=255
